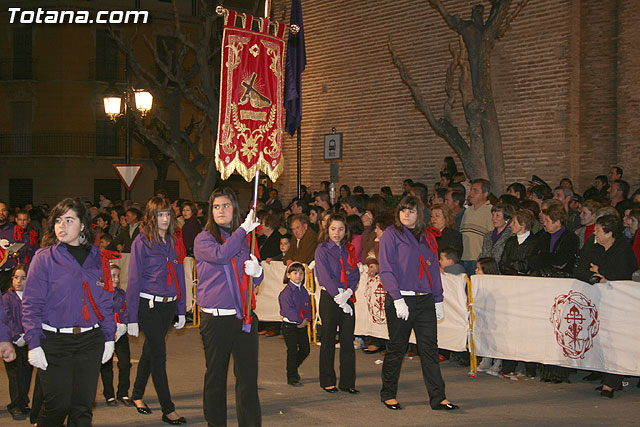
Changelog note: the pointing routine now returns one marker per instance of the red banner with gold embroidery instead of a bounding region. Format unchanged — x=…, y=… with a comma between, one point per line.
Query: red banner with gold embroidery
x=251, y=122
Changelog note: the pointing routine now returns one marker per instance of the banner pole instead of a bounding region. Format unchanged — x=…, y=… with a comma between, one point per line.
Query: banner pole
x=472, y=350
x=253, y=241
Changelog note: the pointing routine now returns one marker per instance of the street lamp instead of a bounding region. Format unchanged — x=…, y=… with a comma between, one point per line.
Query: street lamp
x=113, y=109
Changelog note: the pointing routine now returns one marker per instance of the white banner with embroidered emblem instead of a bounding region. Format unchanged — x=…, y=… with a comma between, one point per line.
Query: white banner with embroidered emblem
x=452, y=330
x=562, y=322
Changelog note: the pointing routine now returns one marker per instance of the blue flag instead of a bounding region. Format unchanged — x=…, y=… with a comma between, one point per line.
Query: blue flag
x=296, y=61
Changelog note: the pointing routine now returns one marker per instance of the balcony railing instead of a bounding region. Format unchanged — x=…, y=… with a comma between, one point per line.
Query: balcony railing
x=62, y=144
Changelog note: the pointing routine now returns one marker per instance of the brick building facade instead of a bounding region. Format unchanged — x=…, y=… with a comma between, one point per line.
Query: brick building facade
x=563, y=79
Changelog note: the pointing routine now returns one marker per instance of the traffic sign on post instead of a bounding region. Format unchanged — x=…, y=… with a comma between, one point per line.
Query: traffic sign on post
x=128, y=174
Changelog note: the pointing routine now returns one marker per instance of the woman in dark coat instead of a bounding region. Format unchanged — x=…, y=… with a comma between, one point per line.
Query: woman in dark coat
x=554, y=256
x=611, y=258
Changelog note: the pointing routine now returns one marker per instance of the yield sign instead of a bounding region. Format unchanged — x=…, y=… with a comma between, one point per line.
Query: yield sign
x=128, y=174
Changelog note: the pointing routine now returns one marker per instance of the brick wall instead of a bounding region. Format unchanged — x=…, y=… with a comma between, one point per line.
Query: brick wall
x=351, y=84
x=628, y=148
x=554, y=79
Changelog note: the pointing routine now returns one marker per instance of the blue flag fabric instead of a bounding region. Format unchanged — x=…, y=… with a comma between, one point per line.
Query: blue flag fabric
x=296, y=61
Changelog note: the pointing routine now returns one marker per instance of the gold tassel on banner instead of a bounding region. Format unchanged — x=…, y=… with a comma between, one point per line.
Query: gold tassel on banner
x=472, y=319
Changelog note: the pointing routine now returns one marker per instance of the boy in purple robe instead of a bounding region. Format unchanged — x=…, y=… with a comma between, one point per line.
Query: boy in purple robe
x=295, y=309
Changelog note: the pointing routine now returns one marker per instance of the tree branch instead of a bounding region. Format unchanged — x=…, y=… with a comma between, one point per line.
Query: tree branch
x=454, y=21
x=442, y=126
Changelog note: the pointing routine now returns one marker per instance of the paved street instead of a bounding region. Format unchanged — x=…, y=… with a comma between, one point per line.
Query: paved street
x=485, y=400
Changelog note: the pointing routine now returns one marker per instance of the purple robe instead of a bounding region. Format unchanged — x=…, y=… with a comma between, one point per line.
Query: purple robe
x=295, y=303
x=213, y=289
x=149, y=273
x=400, y=264
x=13, y=308
x=54, y=294
x=329, y=268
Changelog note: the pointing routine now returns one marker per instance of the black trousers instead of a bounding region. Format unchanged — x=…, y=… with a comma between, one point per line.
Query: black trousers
x=123, y=352
x=222, y=337
x=69, y=384
x=155, y=323
x=19, y=374
x=509, y=366
x=334, y=319
x=297, y=341
x=36, y=403
x=422, y=319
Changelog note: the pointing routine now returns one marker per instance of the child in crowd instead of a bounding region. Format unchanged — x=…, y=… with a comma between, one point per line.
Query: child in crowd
x=105, y=241
x=285, y=244
x=450, y=261
x=19, y=371
x=295, y=309
x=122, y=350
x=488, y=265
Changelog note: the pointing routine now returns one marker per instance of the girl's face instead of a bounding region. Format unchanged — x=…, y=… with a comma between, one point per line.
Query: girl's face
x=187, y=212
x=324, y=222
x=343, y=193
x=296, y=276
x=123, y=221
x=285, y=244
x=633, y=224
x=313, y=216
x=114, y=215
x=379, y=232
x=437, y=219
x=409, y=217
x=222, y=211
x=18, y=279
x=479, y=269
x=115, y=277
x=337, y=231
x=68, y=228
x=164, y=220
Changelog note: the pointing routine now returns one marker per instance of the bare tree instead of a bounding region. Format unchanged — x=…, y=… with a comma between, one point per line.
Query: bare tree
x=469, y=73
x=187, y=72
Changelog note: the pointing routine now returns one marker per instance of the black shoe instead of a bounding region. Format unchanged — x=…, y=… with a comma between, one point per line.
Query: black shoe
x=175, y=422
x=143, y=409
x=295, y=383
x=593, y=376
x=350, y=390
x=606, y=394
x=377, y=350
x=112, y=402
x=330, y=389
x=599, y=388
x=26, y=410
x=445, y=407
x=394, y=406
x=17, y=414
x=125, y=401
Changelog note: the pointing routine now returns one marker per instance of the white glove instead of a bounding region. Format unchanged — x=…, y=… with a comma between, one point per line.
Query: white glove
x=252, y=267
x=249, y=223
x=20, y=342
x=38, y=359
x=346, y=308
x=132, y=329
x=121, y=329
x=439, y=310
x=343, y=296
x=181, y=321
x=402, y=309
x=109, y=346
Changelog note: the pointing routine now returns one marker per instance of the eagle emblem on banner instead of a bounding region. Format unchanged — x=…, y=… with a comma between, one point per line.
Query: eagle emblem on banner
x=251, y=117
